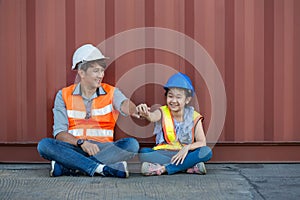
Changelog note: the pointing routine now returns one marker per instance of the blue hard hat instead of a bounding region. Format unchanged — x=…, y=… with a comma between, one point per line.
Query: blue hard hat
x=180, y=80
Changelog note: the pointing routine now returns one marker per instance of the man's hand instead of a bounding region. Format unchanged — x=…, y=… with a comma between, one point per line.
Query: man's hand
x=180, y=156
x=136, y=115
x=90, y=148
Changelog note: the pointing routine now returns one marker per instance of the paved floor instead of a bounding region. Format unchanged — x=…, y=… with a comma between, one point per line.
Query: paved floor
x=223, y=181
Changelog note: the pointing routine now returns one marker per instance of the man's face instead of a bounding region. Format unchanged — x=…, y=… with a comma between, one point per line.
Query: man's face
x=92, y=77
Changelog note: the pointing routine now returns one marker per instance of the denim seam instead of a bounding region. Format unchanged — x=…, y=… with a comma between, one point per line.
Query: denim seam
x=94, y=170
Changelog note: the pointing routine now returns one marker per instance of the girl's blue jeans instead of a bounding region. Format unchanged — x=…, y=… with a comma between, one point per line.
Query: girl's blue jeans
x=164, y=157
x=72, y=157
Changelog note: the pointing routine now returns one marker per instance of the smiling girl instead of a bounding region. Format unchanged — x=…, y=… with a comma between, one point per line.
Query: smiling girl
x=180, y=139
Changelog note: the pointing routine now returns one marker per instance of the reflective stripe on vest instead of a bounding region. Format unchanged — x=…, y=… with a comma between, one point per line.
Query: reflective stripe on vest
x=95, y=112
x=169, y=130
x=92, y=132
x=99, y=132
x=102, y=111
x=100, y=125
x=168, y=125
x=76, y=132
x=76, y=114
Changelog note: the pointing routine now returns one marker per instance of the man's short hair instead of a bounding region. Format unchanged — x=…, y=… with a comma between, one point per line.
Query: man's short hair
x=85, y=65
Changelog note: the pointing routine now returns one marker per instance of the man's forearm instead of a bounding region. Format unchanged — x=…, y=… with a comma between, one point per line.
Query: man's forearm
x=128, y=107
x=67, y=137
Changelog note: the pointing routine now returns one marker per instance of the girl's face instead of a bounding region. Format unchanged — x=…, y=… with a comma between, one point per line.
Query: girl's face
x=177, y=99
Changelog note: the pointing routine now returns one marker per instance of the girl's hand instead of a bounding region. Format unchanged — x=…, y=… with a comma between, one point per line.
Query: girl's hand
x=180, y=156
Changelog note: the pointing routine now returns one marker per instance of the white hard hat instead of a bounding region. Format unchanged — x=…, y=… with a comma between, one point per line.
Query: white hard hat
x=86, y=53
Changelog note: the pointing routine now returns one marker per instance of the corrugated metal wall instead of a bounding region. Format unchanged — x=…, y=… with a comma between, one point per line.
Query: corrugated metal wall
x=254, y=43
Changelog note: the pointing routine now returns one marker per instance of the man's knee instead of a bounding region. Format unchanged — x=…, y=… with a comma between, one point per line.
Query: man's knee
x=44, y=144
x=132, y=145
x=135, y=146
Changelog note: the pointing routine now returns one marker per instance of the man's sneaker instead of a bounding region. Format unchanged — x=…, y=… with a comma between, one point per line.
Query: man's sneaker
x=118, y=169
x=150, y=169
x=55, y=169
x=199, y=168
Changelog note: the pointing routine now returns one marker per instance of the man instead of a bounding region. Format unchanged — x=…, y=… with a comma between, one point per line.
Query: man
x=85, y=115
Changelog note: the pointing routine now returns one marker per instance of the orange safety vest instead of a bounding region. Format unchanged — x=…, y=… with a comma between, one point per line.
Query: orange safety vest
x=100, y=125
x=169, y=130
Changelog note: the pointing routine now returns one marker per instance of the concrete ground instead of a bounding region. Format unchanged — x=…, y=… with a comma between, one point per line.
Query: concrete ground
x=223, y=181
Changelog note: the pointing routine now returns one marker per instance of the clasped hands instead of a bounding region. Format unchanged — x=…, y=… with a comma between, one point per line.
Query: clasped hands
x=142, y=111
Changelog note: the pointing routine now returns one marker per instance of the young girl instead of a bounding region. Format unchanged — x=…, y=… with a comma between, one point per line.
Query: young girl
x=180, y=140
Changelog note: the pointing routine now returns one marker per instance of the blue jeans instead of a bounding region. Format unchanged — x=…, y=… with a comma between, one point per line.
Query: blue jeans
x=164, y=157
x=71, y=157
